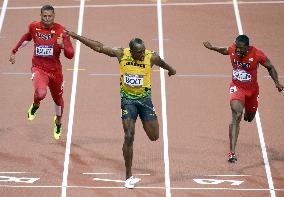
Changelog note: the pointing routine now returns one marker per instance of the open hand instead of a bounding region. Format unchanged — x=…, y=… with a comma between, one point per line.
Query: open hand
x=12, y=58
x=70, y=33
x=208, y=45
x=279, y=87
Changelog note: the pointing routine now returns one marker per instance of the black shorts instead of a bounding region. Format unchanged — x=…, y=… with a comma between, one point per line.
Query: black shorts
x=131, y=108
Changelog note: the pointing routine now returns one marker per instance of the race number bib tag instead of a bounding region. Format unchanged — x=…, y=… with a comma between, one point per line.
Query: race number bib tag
x=233, y=89
x=241, y=75
x=44, y=50
x=133, y=80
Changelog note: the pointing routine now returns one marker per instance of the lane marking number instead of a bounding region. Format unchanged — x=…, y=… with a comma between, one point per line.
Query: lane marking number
x=18, y=180
x=217, y=181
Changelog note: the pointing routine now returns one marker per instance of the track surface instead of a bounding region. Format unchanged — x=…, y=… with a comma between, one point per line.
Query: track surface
x=198, y=111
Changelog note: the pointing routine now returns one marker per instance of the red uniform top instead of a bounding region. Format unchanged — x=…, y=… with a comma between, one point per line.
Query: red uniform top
x=245, y=69
x=46, y=50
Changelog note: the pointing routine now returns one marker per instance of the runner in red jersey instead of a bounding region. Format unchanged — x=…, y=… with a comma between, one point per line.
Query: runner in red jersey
x=49, y=40
x=244, y=88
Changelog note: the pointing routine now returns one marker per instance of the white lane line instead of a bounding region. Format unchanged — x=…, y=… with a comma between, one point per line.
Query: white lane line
x=177, y=75
x=257, y=117
x=72, y=102
x=264, y=155
x=107, y=173
x=147, y=5
x=108, y=180
x=97, y=173
x=164, y=102
x=204, y=75
x=3, y=12
x=14, y=172
x=104, y=74
x=15, y=73
x=267, y=76
x=159, y=188
x=238, y=17
x=230, y=175
x=230, y=189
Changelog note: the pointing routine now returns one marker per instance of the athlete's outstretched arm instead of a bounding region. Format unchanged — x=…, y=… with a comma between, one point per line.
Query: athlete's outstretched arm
x=273, y=73
x=222, y=50
x=157, y=60
x=23, y=42
x=96, y=45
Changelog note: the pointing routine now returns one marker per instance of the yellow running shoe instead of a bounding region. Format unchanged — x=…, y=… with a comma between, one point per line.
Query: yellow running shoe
x=57, y=130
x=31, y=113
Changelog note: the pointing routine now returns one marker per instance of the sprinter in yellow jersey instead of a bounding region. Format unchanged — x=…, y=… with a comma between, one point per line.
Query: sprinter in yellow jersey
x=135, y=90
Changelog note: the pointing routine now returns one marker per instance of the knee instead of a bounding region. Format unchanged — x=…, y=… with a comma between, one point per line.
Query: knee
x=40, y=93
x=237, y=115
x=128, y=139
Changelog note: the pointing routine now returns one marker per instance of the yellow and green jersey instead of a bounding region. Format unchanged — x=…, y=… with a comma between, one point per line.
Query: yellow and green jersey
x=135, y=75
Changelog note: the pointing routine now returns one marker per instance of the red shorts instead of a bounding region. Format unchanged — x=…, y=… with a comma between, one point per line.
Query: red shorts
x=42, y=79
x=248, y=96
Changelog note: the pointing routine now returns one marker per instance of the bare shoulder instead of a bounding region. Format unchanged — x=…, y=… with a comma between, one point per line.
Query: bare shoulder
x=155, y=58
x=119, y=51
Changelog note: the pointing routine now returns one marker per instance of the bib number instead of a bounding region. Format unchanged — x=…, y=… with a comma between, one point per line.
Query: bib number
x=44, y=50
x=241, y=75
x=134, y=80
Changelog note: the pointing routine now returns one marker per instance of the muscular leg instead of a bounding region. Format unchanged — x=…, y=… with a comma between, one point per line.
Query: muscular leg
x=59, y=106
x=39, y=95
x=151, y=128
x=40, y=83
x=234, y=127
x=129, y=132
x=56, y=90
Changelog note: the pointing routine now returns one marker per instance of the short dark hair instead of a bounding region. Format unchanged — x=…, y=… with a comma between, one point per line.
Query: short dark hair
x=244, y=39
x=135, y=41
x=46, y=7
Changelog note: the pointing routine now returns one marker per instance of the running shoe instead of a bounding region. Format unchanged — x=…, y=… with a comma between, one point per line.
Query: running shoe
x=130, y=182
x=32, y=112
x=232, y=157
x=57, y=130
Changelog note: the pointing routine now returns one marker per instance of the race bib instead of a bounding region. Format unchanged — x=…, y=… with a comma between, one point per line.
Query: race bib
x=241, y=75
x=44, y=50
x=134, y=80
x=233, y=89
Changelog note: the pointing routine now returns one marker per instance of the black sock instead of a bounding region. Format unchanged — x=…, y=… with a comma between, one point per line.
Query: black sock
x=58, y=126
x=34, y=108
